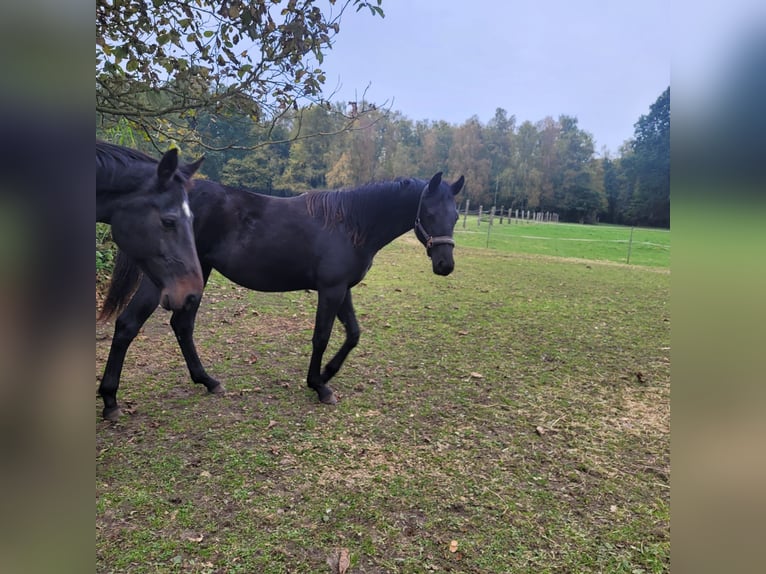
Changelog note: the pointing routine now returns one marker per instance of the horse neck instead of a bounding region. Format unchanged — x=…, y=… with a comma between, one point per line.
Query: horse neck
x=396, y=217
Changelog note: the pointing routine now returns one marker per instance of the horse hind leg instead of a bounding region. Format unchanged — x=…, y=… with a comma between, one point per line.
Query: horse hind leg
x=330, y=301
x=126, y=327
x=347, y=316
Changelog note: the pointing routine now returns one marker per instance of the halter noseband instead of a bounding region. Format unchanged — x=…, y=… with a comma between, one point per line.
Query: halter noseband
x=430, y=240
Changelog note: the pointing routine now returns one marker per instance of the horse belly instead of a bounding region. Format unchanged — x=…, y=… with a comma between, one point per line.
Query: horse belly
x=272, y=273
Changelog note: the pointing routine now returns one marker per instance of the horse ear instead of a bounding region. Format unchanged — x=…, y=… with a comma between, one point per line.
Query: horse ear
x=191, y=168
x=458, y=185
x=436, y=180
x=168, y=165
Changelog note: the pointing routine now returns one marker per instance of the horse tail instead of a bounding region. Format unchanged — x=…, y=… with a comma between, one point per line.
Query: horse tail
x=125, y=279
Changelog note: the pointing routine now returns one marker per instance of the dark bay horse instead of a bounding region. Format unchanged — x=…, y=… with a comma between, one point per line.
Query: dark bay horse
x=146, y=203
x=323, y=241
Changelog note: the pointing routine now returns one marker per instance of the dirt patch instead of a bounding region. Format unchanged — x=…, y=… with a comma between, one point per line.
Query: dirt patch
x=646, y=413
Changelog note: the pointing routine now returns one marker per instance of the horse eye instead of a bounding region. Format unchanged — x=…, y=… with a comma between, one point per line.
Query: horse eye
x=168, y=222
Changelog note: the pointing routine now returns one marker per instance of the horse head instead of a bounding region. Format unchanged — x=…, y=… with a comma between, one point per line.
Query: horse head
x=435, y=221
x=155, y=227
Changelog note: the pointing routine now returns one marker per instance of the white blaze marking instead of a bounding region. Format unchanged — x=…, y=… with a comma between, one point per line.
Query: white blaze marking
x=186, y=209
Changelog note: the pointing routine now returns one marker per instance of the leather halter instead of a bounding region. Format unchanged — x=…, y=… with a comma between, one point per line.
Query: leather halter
x=430, y=240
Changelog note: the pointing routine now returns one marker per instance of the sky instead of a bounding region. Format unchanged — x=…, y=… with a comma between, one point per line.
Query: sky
x=602, y=61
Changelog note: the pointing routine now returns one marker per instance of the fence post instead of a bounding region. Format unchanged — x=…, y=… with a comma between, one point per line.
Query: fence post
x=502, y=208
x=489, y=227
x=481, y=207
x=630, y=244
x=467, y=202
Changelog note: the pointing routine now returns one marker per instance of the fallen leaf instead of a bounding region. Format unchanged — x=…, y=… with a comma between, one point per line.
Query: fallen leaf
x=477, y=375
x=453, y=546
x=271, y=425
x=197, y=538
x=205, y=474
x=462, y=332
x=343, y=561
x=540, y=430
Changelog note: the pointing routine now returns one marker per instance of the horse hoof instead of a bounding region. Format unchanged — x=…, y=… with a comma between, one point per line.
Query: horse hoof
x=112, y=415
x=217, y=390
x=327, y=397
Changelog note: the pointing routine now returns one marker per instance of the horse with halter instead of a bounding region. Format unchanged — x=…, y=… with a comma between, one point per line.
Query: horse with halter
x=323, y=241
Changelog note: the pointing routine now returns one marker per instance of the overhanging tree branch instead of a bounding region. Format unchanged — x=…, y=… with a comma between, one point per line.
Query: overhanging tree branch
x=158, y=62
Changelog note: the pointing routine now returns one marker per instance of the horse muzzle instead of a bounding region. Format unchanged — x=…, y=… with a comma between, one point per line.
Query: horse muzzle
x=443, y=268
x=183, y=293
x=442, y=261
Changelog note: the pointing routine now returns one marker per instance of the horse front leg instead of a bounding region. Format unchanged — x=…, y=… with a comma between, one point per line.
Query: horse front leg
x=182, y=322
x=347, y=317
x=330, y=300
x=126, y=327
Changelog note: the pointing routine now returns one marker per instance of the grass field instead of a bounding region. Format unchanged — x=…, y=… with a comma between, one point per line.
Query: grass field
x=650, y=247
x=512, y=417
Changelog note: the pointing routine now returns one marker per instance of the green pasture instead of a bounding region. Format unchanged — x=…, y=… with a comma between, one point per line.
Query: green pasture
x=512, y=417
x=598, y=242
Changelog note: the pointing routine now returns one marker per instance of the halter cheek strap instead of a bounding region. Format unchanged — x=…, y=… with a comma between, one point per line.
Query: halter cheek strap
x=429, y=240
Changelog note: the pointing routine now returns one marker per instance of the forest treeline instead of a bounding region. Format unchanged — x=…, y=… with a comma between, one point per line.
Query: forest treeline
x=550, y=165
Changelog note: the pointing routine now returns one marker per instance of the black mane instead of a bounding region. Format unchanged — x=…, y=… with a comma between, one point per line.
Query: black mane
x=352, y=209
x=108, y=153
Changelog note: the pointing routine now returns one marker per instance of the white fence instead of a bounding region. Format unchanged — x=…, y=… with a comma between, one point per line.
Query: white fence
x=510, y=215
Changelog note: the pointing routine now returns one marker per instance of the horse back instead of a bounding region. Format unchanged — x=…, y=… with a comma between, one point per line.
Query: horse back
x=269, y=243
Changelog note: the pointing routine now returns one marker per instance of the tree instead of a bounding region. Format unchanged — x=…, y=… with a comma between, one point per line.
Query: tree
x=309, y=157
x=468, y=157
x=260, y=168
x=160, y=63
x=400, y=147
x=436, y=140
x=611, y=189
x=499, y=140
x=524, y=173
x=650, y=203
x=578, y=194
